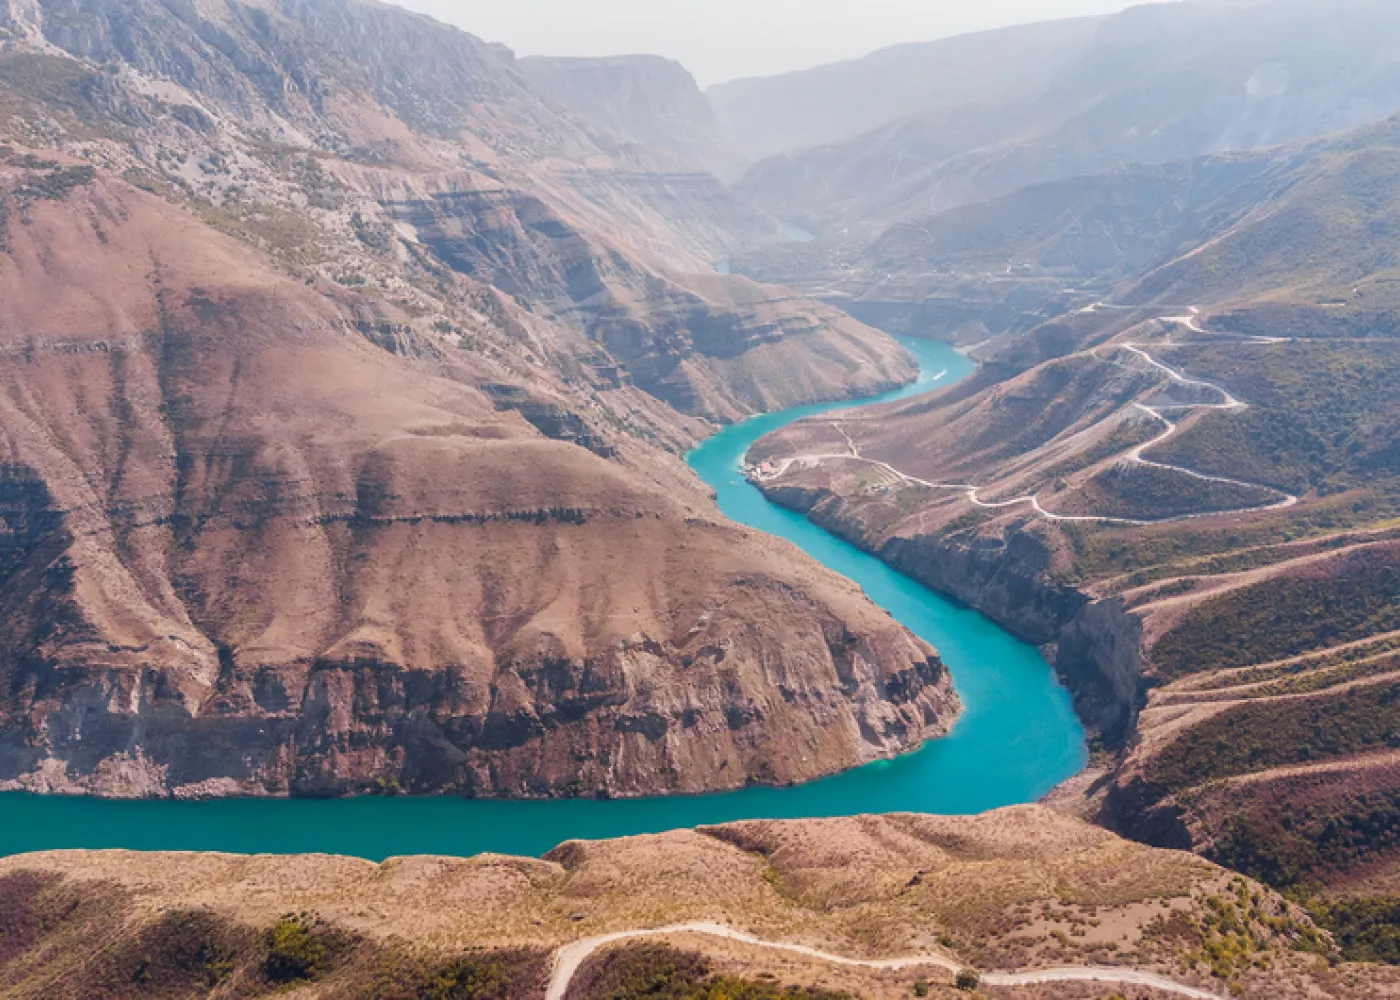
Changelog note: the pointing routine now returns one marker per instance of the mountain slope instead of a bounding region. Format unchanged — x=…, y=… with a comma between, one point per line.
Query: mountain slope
x=1295, y=239
x=220, y=488
x=296, y=114
x=1158, y=83
x=643, y=99
x=768, y=116
x=339, y=452
x=1189, y=484
x=1006, y=891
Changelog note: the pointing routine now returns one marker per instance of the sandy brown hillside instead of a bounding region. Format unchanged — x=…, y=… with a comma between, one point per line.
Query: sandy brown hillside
x=291, y=505
x=1197, y=505
x=385, y=152
x=1166, y=506
x=1018, y=889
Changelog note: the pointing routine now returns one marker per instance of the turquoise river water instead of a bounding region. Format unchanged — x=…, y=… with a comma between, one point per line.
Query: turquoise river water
x=1017, y=739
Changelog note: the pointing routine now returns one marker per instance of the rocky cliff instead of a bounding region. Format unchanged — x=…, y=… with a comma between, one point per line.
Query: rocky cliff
x=1095, y=646
x=249, y=549
x=294, y=122
x=712, y=346
x=338, y=450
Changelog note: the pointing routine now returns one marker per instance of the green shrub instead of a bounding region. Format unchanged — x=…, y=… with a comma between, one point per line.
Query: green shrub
x=1123, y=438
x=506, y=974
x=55, y=186
x=1334, y=603
x=1321, y=416
x=1147, y=493
x=1260, y=736
x=1296, y=846
x=660, y=973
x=1144, y=555
x=968, y=980
x=1366, y=930
x=468, y=979
x=296, y=950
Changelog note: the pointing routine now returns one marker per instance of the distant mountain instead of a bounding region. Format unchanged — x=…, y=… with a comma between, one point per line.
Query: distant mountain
x=1291, y=239
x=1154, y=84
x=646, y=100
x=783, y=114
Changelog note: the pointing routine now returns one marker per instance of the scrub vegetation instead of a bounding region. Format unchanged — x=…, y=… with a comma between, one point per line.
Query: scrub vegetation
x=1258, y=736
x=1322, y=417
x=654, y=972
x=1335, y=602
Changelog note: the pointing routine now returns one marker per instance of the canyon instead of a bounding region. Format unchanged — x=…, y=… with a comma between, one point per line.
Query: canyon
x=358, y=379
x=1176, y=470
x=346, y=390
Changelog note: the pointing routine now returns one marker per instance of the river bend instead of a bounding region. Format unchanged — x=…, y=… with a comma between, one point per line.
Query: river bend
x=1017, y=739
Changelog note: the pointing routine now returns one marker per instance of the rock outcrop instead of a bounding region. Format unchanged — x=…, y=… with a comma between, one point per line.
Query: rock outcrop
x=247, y=549
x=1095, y=646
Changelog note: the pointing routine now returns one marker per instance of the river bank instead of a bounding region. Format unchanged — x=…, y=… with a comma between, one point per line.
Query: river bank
x=1018, y=737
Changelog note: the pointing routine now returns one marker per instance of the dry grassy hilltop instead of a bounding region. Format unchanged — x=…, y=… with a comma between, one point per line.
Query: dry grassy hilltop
x=1015, y=890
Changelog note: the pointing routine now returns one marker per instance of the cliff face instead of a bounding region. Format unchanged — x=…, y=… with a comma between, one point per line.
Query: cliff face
x=338, y=445
x=1095, y=646
x=249, y=549
x=941, y=487
x=345, y=127
x=713, y=346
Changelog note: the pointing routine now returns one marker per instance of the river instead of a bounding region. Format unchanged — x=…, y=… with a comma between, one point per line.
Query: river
x=1017, y=739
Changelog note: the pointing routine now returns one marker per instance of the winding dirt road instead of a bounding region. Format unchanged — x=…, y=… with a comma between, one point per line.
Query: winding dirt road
x=569, y=958
x=1227, y=403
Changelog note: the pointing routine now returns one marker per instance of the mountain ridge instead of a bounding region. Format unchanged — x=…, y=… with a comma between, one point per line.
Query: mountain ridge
x=1159, y=83
x=1177, y=466
x=779, y=114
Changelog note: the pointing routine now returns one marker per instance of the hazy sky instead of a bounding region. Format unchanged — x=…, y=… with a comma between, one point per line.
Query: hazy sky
x=722, y=39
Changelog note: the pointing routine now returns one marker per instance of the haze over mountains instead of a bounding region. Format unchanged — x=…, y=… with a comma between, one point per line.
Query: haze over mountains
x=828, y=104
x=1154, y=84
x=651, y=101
